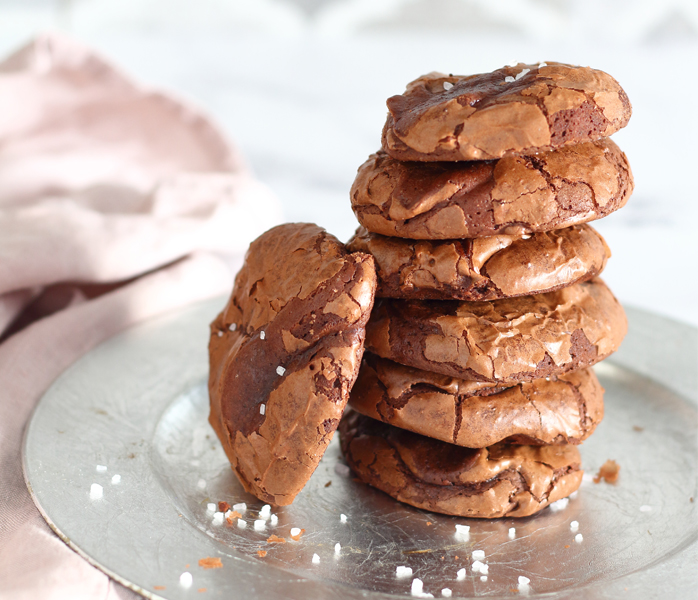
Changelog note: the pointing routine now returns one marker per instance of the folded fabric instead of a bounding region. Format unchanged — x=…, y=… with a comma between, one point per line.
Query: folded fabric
x=116, y=204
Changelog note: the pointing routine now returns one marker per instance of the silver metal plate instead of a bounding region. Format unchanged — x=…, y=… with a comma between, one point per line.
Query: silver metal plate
x=138, y=406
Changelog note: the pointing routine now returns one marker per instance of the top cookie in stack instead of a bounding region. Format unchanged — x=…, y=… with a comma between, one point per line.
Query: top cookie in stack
x=491, y=311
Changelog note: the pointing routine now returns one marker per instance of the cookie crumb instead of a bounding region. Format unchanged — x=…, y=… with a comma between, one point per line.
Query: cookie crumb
x=429, y=523
x=185, y=579
x=297, y=533
x=328, y=484
x=638, y=428
x=159, y=587
x=275, y=539
x=200, y=590
x=316, y=559
x=567, y=546
x=231, y=515
x=261, y=553
x=609, y=472
x=403, y=572
x=223, y=506
x=210, y=563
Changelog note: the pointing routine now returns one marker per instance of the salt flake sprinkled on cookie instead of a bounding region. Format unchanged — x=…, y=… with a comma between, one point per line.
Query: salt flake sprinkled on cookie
x=541, y=65
x=316, y=559
x=460, y=576
x=483, y=577
x=342, y=518
x=233, y=326
x=342, y=470
x=579, y=538
x=478, y=554
x=101, y=468
x=241, y=507
x=242, y=524
x=262, y=335
x=509, y=79
x=338, y=548
x=574, y=526
x=185, y=579
x=96, y=491
x=211, y=507
x=522, y=73
x=280, y=371
x=201, y=484
x=403, y=571
x=262, y=408
x=274, y=520
x=260, y=524
x=512, y=533
x=265, y=511
x=447, y=85
x=116, y=480
x=446, y=592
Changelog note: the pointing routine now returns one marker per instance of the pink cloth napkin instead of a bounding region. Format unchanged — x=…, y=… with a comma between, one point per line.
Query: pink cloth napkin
x=117, y=203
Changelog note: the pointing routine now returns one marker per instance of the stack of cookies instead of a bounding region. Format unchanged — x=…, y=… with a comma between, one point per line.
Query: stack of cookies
x=476, y=385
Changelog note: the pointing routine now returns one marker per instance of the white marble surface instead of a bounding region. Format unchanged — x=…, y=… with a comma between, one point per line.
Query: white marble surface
x=307, y=109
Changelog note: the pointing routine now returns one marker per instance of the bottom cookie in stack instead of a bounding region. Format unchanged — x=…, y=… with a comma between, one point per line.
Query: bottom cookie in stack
x=498, y=481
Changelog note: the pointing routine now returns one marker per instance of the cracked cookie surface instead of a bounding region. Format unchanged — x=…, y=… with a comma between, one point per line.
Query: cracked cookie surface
x=557, y=410
x=284, y=353
x=498, y=481
x=485, y=268
x=513, y=195
x=523, y=109
x=506, y=341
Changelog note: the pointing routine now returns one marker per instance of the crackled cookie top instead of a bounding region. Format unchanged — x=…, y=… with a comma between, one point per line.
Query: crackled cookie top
x=513, y=195
x=284, y=354
x=476, y=414
x=498, y=481
x=505, y=341
x=522, y=109
x=485, y=268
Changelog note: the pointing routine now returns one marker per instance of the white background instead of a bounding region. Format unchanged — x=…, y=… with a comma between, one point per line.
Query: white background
x=300, y=86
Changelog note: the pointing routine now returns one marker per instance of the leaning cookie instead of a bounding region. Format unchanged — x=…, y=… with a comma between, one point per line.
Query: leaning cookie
x=284, y=354
x=501, y=341
x=523, y=109
x=485, y=268
x=556, y=410
x=500, y=481
x=513, y=195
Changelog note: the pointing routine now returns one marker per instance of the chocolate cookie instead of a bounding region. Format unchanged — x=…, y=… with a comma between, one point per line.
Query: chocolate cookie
x=557, y=410
x=503, y=341
x=523, y=109
x=500, y=481
x=485, y=268
x=513, y=195
x=284, y=354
